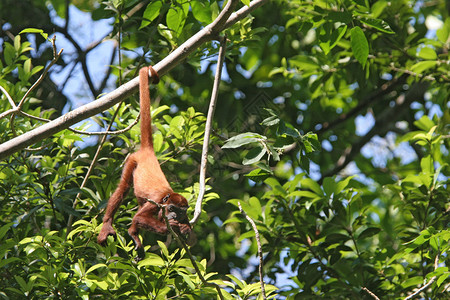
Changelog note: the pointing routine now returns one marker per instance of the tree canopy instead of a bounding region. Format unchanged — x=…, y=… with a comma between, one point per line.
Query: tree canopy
x=328, y=165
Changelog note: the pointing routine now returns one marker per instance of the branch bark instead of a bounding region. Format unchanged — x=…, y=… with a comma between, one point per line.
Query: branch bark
x=226, y=19
x=212, y=108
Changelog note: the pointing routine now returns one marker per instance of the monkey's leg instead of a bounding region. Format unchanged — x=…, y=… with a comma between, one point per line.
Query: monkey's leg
x=116, y=199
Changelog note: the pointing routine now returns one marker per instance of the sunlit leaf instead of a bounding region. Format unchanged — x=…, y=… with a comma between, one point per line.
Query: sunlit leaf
x=378, y=24
x=151, y=12
x=360, y=46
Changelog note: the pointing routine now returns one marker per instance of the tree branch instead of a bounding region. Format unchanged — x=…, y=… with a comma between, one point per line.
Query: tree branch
x=211, y=109
x=260, y=255
x=122, y=92
x=370, y=293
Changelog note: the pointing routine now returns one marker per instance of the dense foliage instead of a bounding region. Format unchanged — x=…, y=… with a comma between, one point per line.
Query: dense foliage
x=331, y=130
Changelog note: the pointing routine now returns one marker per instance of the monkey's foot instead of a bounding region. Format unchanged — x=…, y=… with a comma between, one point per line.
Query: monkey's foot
x=107, y=230
x=140, y=254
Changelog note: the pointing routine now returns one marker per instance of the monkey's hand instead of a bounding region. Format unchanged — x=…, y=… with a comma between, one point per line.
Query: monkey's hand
x=174, y=224
x=185, y=228
x=107, y=229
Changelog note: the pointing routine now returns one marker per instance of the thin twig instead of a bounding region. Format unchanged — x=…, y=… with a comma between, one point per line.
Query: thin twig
x=107, y=132
x=186, y=248
x=17, y=109
x=11, y=101
x=56, y=56
x=421, y=289
x=436, y=262
x=370, y=293
x=260, y=255
x=208, y=125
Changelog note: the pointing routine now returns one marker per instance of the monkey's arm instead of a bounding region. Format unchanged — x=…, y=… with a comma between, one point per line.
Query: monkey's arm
x=116, y=199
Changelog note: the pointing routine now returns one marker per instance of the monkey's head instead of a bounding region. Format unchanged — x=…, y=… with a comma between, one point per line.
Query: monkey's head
x=176, y=207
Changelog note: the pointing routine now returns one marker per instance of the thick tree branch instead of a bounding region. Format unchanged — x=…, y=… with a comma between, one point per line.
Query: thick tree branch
x=122, y=92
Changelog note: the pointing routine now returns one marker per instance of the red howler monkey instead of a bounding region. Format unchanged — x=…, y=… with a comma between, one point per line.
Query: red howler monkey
x=143, y=169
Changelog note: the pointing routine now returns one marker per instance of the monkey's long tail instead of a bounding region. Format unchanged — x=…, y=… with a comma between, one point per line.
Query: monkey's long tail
x=144, y=96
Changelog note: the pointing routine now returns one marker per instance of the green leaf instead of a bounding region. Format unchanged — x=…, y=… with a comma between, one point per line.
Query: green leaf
x=360, y=46
x=378, y=24
x=427, y=53
x=151, y=12
x=413, y=281
x=202, y=11
x=329, y=186
x=258, y=175
x=35, y=30
x=303, y=62
x=329, y=42
x=443, y=33
x=270, y=121
x=422, y=66
x=166, y=33
x=246, y=235
x=164, y=250
x=242, y=139
x=344, y=17
x=360, y=2
x=27, y=66
x=337, y=238
x=426, y=164
x=187, y=279
x=424, y=123
x=152, y=260
x=308, y=183
x=17, y=43
x=176, y=17
x=95, y=267
x=254, y=155
x=371, y=231
x=442, y=278
x=254, y=210
x=4, y=229
x=9, y=53
x=342, y=184
x=307, y=194
x=378, y=7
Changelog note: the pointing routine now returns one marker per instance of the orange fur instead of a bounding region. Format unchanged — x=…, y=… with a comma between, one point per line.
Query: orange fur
x=143, y=169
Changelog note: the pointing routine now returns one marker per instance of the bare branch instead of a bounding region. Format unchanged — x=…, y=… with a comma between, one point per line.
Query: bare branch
x=370, y=293
x=436, y=261
x=260, y=255
x=11, y=101
x=211, y=109
x=56, y=56
x=177, y=56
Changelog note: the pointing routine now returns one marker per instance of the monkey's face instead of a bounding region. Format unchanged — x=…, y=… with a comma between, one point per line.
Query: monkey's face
x=176, y=207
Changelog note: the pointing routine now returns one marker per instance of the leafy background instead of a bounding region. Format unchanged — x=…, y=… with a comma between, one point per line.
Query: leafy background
x=331, y=130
